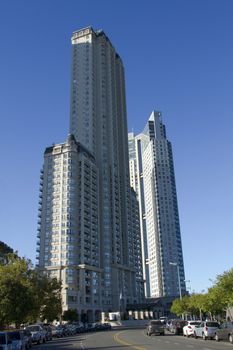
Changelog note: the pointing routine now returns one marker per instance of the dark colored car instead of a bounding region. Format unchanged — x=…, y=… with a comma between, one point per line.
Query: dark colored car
x=176, y=326
x=5, y=341
x=18, y=340
x=225, y=332
x=28, y=338
x=155, y=327
x=48, y=332
x=106, y=326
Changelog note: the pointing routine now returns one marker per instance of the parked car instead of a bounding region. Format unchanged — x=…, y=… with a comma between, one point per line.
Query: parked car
x=18, y=340
x=57, y=332
x=90, y=327
x=38, y=334
x=48, y=331
x=106, y=326
x=188, y=329
x=79, y=328
x=28, y=338
x=206, y=330
x=155, y=327
x=176, y=326
x=70, y=329
x=5, y=341
x=225, y=332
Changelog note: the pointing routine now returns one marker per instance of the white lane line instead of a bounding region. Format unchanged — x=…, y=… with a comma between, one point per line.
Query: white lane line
x=176, y=343
x=206, y=348
x=167, y=341
x=82, y=345
x=190, y=346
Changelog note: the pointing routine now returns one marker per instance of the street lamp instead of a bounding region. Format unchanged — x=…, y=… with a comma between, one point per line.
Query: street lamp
x=178, y=273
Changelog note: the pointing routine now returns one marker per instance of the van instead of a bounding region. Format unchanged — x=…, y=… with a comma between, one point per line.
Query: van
x=5, y=341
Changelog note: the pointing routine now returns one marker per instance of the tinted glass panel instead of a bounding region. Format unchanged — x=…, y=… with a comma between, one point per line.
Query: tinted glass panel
x=2, y=338
x=33, y=329
x=194, y=323
x=212, y=324
x=14, y=335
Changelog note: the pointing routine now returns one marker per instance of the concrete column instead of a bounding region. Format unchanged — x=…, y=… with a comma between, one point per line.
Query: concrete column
x=103, y=317
x=141, y=315
x=130, y=313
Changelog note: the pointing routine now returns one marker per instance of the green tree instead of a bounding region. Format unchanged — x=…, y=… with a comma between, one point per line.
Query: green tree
x=224, y=287
x=70, y=315
x=197, y=304
x=26, y=294
x=47, y=297
x=51, y=304
x=180, y=306
x=16, y=294
x=4, y=251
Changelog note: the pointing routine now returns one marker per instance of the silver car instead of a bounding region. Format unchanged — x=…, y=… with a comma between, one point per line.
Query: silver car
x=225, y=332
x=38, y=333
x=206, y=330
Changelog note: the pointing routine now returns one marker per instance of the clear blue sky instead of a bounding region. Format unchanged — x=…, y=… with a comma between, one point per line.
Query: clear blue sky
x=178, y=57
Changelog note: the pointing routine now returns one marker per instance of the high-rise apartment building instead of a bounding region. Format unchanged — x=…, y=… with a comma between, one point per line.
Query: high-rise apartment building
x=152, y=177
x=93, y=240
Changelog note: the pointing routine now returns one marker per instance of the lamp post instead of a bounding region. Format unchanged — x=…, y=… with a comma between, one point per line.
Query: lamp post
x=178, y=273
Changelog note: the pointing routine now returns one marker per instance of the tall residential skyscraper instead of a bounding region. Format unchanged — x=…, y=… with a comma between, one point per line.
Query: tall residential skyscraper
x=97, y=237
x=152, y=177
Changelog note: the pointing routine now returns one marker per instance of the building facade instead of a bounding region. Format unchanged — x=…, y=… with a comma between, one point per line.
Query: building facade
x=106, y=237
x=152, y=177
x=68, y=231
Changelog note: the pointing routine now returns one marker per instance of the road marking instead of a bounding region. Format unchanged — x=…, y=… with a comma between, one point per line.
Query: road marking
x=167, y=341
x=176, y=343
x=206, y=349
x=190, y=346
x=82, y=345
x=120, y=341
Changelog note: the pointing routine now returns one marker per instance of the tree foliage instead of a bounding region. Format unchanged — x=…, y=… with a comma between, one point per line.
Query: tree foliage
x=70, y=315
x=51, y=308
x=4, y=251
x=16, y=294
x=25, y=294
x=224, y=287
x=213, y=303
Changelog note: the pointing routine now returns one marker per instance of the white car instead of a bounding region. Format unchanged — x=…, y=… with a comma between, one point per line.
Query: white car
x=189, y=327
x=206, y=330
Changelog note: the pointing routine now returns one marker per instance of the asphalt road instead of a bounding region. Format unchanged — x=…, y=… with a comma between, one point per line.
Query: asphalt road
x=131, y=339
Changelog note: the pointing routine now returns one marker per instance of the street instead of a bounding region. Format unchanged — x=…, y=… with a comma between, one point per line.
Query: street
x=131, y=339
